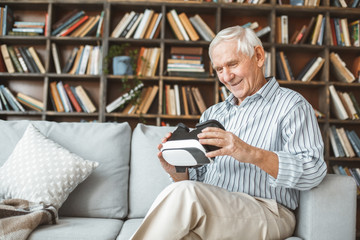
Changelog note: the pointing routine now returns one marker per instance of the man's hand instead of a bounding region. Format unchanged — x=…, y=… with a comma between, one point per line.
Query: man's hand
x=170, y=169
x=231, y=145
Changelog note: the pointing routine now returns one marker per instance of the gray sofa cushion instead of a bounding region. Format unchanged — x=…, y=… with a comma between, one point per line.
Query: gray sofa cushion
x=147, y=177
x=73, y=228
x=129, y=228
x=104, y=193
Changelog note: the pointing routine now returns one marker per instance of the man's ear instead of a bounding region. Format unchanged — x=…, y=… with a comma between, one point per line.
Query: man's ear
x=259, y=56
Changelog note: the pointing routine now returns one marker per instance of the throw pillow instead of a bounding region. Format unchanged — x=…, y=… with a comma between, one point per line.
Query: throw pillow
x=41, y=171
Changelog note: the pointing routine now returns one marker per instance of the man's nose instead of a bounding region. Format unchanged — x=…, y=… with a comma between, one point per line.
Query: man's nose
x=227, y=74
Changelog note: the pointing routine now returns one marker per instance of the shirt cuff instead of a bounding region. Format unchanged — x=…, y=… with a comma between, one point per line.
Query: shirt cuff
x=290, y=171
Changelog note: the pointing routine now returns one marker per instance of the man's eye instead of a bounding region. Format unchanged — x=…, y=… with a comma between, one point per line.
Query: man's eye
x=219, y=69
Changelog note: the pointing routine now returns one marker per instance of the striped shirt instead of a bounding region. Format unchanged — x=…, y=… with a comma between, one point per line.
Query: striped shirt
x=275, y=119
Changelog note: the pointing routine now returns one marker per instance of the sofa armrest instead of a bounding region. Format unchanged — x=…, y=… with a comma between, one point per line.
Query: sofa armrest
x=328, y=211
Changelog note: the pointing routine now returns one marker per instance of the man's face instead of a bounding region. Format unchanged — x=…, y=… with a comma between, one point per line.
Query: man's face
x=241, y=74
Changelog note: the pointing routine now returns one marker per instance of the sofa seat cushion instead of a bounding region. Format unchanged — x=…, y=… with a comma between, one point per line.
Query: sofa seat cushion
x=104, y=194
x=72, y=228
x=129, y=228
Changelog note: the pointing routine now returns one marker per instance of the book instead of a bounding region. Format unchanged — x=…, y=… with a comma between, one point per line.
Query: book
x=7, y=19
x=70, y=60
x=354, y=31
x=72, y=28
x=143, y=25
x=150, y=99
x=76, y=60
x=313, y=70
x=65, y=17
x=263, y=31
x=198, y=99
x=338, y=107
x=21, y=59
x=73, y=99
x=14, y=103
x=353, y=141
x=174, y=26
x=100, y=25
x=185, y=101
x=6, y=56
x=30, y=102
x=2, y=63
x=308, y=30
x=188, y=27
x=134, y=26
x=68, y=22
x=186, y=50
x=349, y=152
x=2, y=98
x=85, y=99
x=120, y=26
x=30, y=63
x=317, y=27
x=335, y=142
x=202, y=28
x=36, y=58
x=14, y=59
x=83, y=64
x=151, y=25
x=341, y=71
x=284, y=29
x=64, y=97
x=56, y=97
x=179, y=24
x=56, y=59
x=156, y=29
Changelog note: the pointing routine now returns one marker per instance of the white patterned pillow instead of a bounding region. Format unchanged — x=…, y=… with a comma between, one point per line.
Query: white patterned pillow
x=41, y=171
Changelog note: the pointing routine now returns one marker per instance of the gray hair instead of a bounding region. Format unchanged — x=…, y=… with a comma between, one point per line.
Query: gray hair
x=246, y=39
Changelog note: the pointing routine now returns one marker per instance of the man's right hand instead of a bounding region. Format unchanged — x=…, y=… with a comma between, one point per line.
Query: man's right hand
x=170, y=169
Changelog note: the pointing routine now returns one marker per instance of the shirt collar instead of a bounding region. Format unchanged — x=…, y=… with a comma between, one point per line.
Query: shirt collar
x=267, y=91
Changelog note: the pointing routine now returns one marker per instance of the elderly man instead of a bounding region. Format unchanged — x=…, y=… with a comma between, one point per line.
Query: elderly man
x=272, y=149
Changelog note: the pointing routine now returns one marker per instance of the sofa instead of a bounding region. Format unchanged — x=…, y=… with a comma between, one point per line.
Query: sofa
x=111, y=202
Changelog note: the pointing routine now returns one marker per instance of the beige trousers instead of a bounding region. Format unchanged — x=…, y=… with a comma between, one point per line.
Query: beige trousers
x=193, y=210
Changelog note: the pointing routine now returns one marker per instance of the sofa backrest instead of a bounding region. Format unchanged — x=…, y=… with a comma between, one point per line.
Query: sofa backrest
x=104, y=193
x=147, y=177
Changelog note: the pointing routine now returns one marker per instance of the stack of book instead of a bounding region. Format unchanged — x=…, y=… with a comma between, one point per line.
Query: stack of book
x=20, y=59
x=186, y=28
x=186, y=62
x=148, y=61
x=344, y=104
x=182, y=100
x=138, y=25
x=85, y=59
x=66, y=98
x=344, y=143
x=341, y=71
x=78, y=24
x=27, y=28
